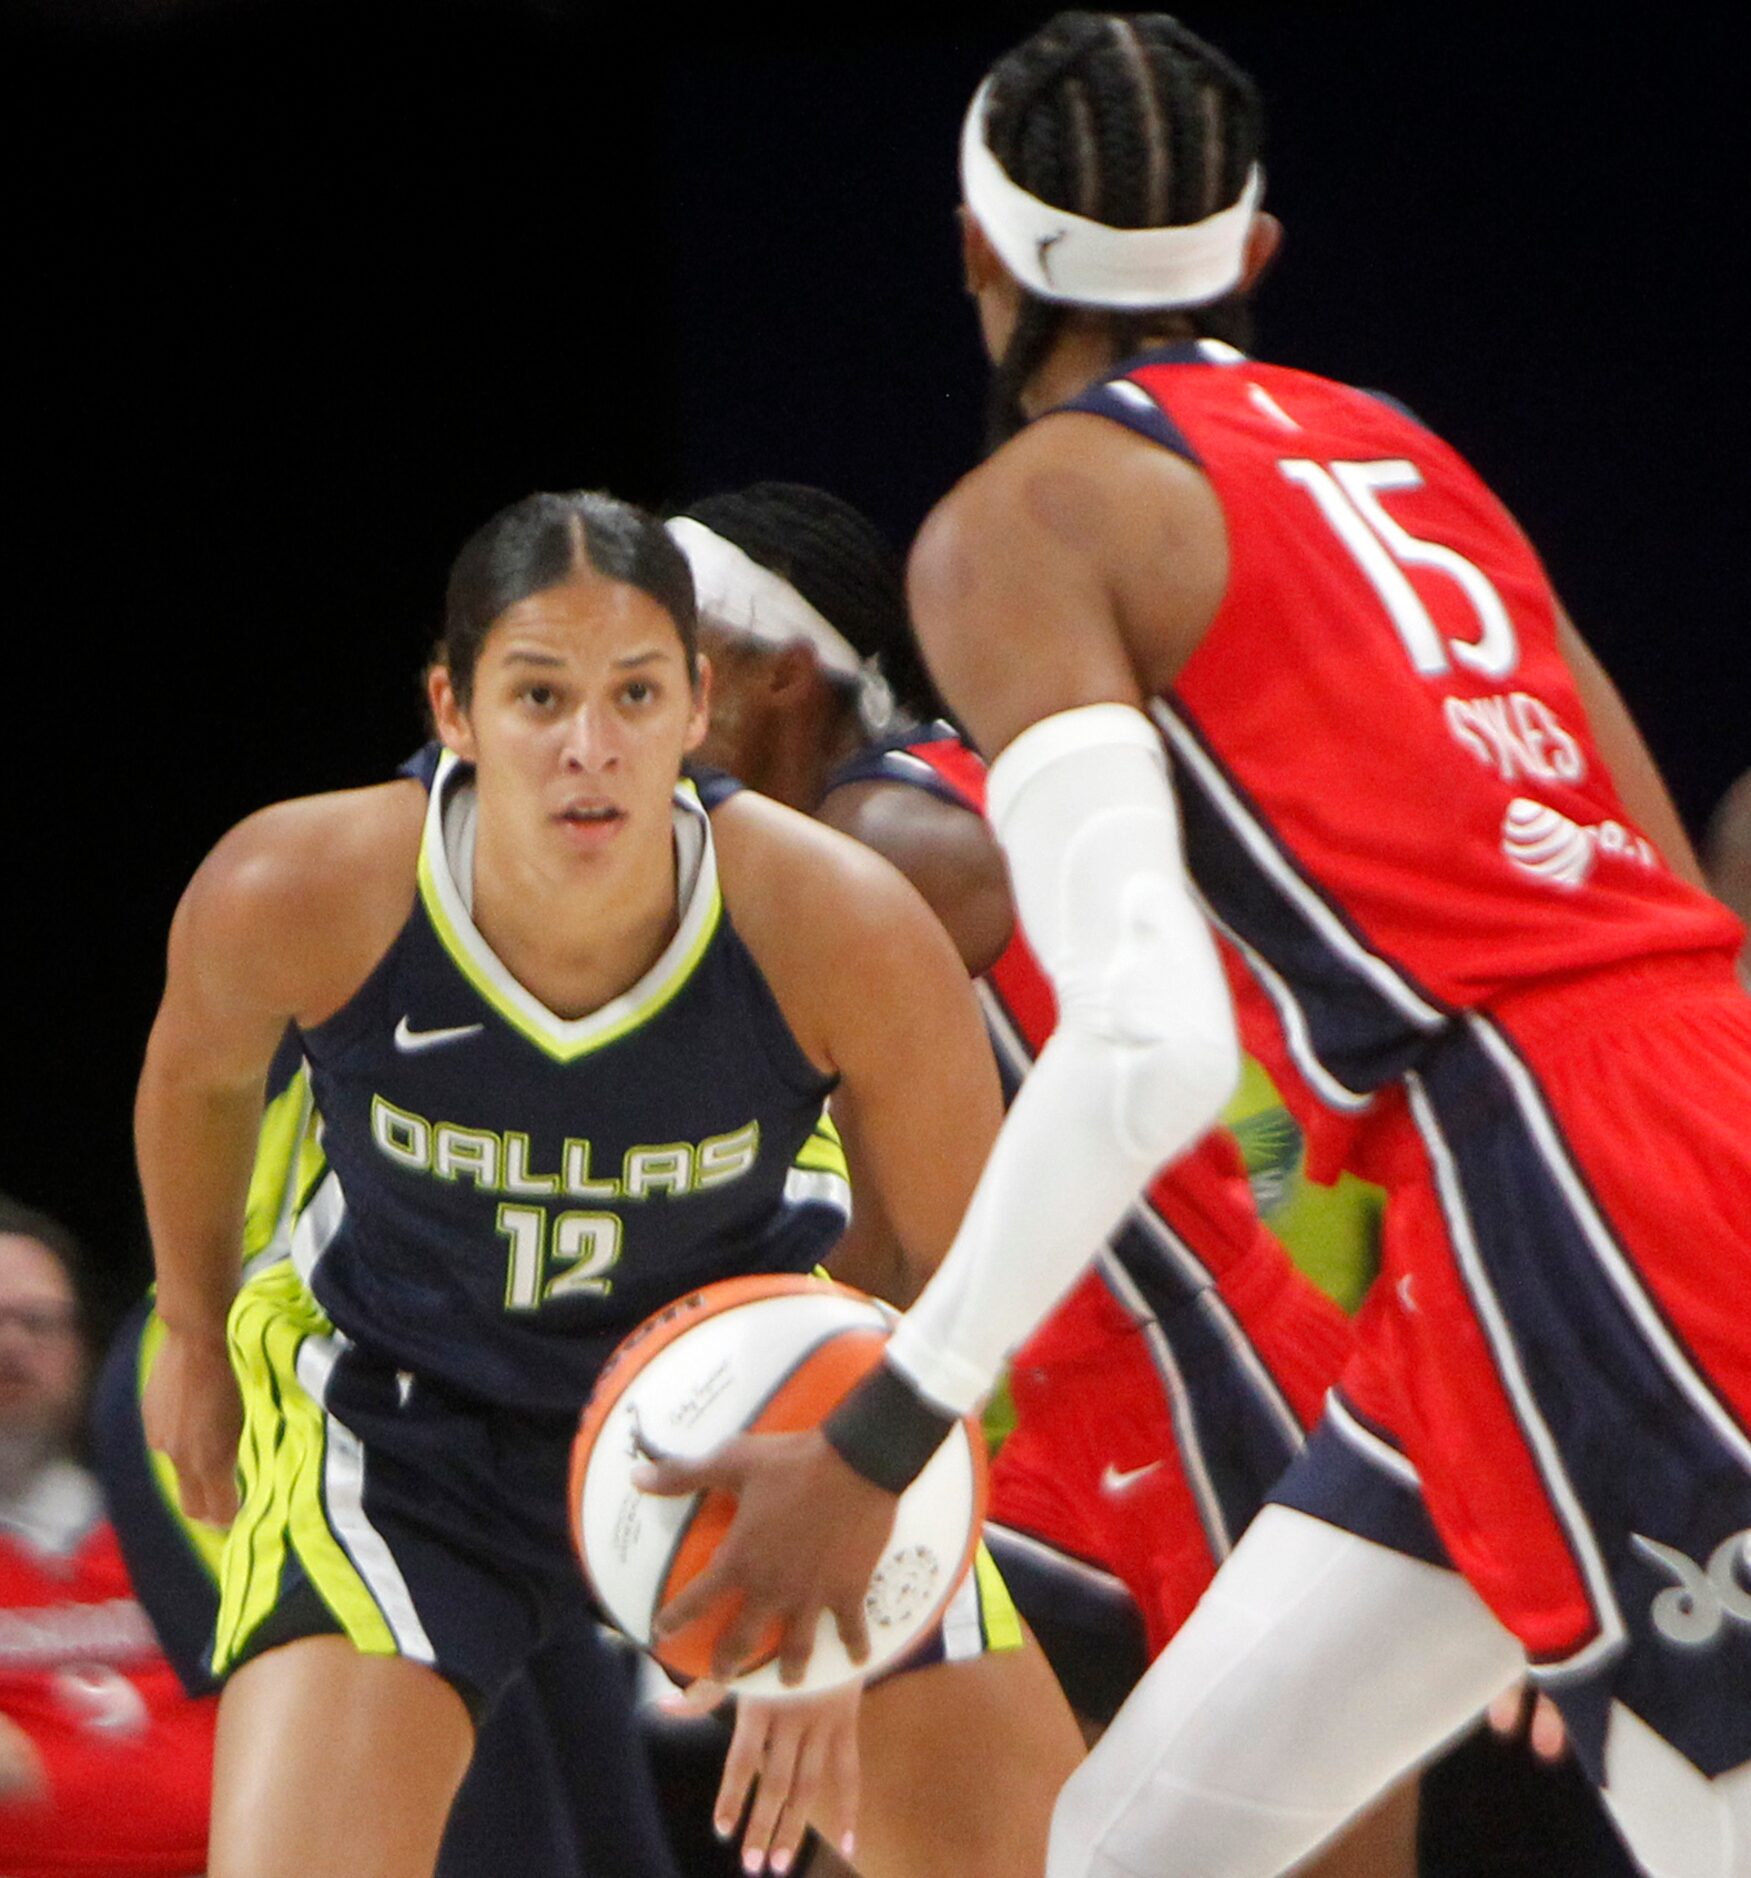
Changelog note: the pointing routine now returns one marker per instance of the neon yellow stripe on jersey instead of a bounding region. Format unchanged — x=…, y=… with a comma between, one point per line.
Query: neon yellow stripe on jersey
x=998, y=1617
x=285, y=1444
x=823, y=1152
x=565, y=1041
x=277, y=1146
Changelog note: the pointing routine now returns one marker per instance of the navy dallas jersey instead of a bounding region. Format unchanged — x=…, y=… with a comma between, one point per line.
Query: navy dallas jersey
x=497, y=1194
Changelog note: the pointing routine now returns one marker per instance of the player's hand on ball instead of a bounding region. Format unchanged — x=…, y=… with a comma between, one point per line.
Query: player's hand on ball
x=807, y=1535
x=194, y=1416
x=799, y=1759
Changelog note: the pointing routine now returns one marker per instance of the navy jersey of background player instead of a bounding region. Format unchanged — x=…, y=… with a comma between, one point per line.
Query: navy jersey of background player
x=507, y=1192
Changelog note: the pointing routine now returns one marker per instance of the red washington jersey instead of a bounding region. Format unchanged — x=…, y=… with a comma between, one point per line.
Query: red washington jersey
x=127, y=1757
x=1509, y=1011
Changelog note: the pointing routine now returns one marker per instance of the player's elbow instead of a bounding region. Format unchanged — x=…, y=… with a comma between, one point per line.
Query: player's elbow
x=1173, y=1089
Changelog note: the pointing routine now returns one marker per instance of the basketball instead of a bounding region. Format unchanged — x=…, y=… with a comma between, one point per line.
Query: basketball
x=771, y=1354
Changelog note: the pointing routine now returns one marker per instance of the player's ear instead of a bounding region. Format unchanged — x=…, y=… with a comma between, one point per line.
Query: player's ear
x=700, y=719
x=1264, y=242
x=980, y=266
x=448, y=715
x=791, y=669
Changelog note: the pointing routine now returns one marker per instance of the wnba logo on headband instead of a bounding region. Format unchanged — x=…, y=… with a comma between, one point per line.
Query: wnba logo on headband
x=1060, y=255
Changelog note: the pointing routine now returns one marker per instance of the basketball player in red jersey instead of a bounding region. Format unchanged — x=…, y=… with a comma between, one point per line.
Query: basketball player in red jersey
x=1158, y=1404
x=1411, y=808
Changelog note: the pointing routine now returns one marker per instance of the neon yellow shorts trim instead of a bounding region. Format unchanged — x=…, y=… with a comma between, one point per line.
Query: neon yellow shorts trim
x=285, y=1451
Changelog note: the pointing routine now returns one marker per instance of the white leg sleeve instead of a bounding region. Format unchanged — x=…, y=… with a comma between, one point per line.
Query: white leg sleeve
x=1679, y=1823
x=1142, y=1060
x=1316, y=1670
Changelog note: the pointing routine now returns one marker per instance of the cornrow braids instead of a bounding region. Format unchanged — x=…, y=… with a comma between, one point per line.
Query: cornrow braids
x=839, y=561
x=1129, y=120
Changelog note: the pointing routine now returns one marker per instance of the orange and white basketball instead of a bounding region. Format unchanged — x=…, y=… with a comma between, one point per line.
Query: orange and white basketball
x=770, y=1354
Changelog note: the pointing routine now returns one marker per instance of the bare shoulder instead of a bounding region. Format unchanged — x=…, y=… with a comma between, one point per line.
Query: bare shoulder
x=1077, y=565
x=947, y=852
x=304, y=896
x=827, y=920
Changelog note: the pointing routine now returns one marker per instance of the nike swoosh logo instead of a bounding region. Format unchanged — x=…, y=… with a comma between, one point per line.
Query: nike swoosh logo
x=407, y=1038
x=1113, y=1481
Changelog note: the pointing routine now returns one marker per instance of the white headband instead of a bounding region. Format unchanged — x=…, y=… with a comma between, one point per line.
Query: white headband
x=739, y=594
x=1062, y=256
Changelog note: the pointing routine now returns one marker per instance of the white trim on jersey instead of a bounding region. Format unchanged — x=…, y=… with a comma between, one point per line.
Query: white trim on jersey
x=804, y=1186
x=1297, y=1034
x=1542, y=1127
x=1055, y=1559
x=1185, y=1422
x=317, y=1224
x=1539, y=1439
x=1381, y=1454
x=1259, y=843
x=343, y=1492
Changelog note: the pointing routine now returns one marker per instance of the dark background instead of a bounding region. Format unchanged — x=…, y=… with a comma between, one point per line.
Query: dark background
x=299, y=293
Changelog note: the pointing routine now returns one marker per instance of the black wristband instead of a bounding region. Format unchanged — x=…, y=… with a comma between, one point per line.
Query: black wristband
x=886, y=1431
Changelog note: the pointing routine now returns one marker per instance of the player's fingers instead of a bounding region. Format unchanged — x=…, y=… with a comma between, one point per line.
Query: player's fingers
x=671, y=1476
x=696, y=1598
x=852, y=1622
x=777, y=1776
x=837, y=1817
x=797, y=1645
x=741, y=1764
x=701, y=1697
x=1549, y=1738
x=740, y=1640
x=1503, y=1714
x=803, y=1802
x=665, y=1473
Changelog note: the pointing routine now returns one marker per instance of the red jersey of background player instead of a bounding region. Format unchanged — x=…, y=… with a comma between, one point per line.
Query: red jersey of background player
x=127, y=1758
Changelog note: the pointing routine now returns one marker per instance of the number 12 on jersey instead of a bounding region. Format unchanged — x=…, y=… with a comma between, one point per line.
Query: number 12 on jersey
x=1348, y=495
x=587, y=1244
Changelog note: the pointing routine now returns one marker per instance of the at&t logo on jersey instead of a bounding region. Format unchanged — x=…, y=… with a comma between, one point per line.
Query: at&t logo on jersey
x=1549, y=847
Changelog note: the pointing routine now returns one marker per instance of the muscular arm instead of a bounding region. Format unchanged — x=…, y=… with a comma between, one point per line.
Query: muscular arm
x=278, y=924
x=1051, y=591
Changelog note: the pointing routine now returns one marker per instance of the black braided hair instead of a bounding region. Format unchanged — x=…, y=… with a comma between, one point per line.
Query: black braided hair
x=839, y=561
x=1130, y=120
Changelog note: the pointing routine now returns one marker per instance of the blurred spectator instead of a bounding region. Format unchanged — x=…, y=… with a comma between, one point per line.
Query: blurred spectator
x=105, y=1765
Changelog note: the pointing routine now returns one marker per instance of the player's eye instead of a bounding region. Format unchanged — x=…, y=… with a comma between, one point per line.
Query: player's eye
x=639, y=691
x=540, y=697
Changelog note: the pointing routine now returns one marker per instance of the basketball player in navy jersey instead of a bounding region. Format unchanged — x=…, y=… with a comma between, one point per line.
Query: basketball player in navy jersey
x=570, y=1035
x=1273, y=686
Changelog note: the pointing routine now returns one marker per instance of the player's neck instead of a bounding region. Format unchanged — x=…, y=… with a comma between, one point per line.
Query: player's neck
x=576, y=937
x=1084, y=353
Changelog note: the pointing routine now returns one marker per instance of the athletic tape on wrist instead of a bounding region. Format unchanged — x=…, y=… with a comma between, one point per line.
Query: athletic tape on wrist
x=886, y=1431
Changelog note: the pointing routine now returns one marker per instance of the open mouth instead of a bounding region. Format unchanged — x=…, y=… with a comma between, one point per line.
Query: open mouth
x=592, y=817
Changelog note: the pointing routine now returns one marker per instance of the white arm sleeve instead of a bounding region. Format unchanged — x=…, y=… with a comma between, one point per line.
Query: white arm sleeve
x=1142, y=1060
